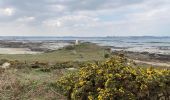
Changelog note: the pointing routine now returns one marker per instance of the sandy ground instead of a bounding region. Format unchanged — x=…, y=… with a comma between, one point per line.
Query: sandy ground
x=17, y=51
x=8, y=47
x=153, y=63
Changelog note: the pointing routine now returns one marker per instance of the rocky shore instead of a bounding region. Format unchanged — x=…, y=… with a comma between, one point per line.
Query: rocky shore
x=147, y=58
x=32, y=46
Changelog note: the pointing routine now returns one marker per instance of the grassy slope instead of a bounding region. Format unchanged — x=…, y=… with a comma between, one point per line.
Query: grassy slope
x=82, y=52
x=36, y=84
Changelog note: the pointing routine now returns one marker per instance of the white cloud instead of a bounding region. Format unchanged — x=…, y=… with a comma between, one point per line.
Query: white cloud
x=88, y=17
x=7, y=11
x=154, y=14
x=26, y=19
x=52, y=23
x=57, y=7
x=71, y=21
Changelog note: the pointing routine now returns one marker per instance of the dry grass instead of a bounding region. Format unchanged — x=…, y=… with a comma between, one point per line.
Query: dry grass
x=12, y=88
x=30, y=79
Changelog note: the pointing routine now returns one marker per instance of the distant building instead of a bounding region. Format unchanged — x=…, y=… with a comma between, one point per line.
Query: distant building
x=76, y=42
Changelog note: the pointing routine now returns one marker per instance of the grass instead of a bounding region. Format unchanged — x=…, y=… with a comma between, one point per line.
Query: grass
x=29, y=84
x=22, y=82
x=82, y=52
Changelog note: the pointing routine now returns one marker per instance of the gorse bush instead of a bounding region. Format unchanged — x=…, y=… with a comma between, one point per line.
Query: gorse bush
x=116, y=79
x=106, y=55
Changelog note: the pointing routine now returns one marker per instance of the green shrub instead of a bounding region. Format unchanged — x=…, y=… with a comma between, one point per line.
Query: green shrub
x=19, y=65
x=70, y=47
x=68, y=64
x=116, y=80
x=39, y=65
x=62, y=65
x=2, y=61
x=45, y=69
x=106, y=55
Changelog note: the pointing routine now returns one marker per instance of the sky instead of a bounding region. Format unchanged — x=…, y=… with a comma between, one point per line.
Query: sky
x=84, y=17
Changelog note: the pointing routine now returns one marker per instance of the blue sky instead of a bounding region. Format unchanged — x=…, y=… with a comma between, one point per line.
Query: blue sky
x=84, y=17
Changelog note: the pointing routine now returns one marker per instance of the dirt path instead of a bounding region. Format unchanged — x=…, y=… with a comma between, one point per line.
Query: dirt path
x=153, y=63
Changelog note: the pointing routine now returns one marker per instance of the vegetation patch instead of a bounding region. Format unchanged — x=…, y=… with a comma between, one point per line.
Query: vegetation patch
x=81, y=52
x=116, y=79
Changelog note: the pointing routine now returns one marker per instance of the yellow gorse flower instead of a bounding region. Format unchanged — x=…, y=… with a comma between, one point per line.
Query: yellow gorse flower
x=115, y=79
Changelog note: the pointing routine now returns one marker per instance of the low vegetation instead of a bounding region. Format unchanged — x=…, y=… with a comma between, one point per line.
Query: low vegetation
x=80, y=72
x=116, y=79
x=81, y=52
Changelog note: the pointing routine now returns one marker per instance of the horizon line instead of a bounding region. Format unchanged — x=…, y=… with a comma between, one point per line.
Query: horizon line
x=84, y=36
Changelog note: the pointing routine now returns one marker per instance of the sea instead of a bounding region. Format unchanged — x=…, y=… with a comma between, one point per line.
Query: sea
x=151, y=44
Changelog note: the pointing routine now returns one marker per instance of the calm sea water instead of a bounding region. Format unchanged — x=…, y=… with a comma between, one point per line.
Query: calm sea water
x=160, y=45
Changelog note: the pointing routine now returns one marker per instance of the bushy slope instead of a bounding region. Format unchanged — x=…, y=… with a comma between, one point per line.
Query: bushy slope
x=116, y=79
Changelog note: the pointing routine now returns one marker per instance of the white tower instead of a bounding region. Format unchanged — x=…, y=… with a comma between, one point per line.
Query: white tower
x=76, y=42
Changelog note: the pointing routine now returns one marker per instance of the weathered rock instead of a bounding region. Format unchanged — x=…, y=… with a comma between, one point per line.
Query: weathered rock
x=5, y=65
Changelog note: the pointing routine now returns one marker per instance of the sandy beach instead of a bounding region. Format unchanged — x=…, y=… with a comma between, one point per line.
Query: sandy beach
x=17, y=51
x=29, y=47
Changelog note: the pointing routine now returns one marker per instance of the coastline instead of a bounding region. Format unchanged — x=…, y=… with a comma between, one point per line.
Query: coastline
x=41, y=71
x=30, y=47
x=34, y=48
x=146, y=58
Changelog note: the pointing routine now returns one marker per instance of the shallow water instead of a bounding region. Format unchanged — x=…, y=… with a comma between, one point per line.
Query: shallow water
x=159, y=45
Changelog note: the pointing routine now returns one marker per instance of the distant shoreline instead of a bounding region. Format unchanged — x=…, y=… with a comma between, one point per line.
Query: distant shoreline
x=86, y=36
x=32, y=47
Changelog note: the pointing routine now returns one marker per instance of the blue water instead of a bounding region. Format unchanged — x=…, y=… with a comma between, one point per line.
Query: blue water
x=160, y=45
